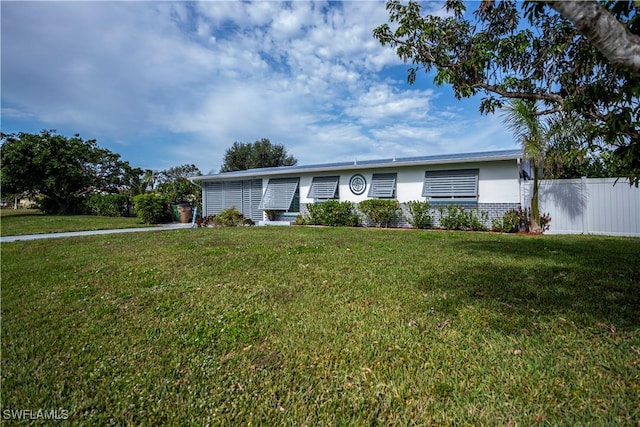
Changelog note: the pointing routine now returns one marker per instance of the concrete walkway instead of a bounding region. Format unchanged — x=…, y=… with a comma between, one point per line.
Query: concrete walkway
x=173, y=226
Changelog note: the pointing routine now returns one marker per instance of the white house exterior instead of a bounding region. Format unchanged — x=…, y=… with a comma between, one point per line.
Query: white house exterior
x=486, y=181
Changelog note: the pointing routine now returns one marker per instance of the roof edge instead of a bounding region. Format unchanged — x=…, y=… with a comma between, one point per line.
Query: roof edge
x=486, y=156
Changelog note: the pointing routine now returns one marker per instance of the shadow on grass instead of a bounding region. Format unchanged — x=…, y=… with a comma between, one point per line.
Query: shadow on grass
x=523, y=280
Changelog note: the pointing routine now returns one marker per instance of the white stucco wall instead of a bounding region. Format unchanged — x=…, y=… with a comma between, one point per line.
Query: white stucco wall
x=498, y=181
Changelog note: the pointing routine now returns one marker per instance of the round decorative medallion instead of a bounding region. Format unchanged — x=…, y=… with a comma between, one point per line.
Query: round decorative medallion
x=357, y=184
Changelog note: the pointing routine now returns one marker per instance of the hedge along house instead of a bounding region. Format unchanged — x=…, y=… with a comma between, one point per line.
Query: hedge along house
x=486, y=181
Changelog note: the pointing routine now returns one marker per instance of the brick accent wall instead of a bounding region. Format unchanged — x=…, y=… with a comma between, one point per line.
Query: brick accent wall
x=497, y=210
x=493, y=210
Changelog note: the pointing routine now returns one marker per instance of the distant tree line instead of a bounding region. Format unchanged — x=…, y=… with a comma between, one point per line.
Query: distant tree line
x=70, y=175
x=66, y=174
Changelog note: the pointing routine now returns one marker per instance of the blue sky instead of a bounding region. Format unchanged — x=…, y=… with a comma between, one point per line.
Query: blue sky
x=168, y=83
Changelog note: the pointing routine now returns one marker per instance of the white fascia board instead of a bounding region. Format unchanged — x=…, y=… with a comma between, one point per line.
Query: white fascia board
x=355, y=166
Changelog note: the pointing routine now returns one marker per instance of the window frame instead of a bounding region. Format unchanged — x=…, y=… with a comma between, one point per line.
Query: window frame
x=322, y=186
x=463, y=185
x=273, y=201
x=379, y=188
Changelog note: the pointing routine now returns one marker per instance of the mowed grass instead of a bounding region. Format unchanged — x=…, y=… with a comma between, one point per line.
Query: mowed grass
x=31, y=221
x=323, y=326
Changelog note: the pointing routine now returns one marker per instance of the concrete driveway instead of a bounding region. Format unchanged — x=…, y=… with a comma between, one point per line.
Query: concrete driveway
x=174, y=226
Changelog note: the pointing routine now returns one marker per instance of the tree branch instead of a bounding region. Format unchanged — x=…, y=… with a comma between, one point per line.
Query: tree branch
x=604, y=31
x=551, y=97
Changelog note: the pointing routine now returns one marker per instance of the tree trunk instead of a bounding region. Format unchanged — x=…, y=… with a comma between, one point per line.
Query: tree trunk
x=534, y=225
x=604, y=31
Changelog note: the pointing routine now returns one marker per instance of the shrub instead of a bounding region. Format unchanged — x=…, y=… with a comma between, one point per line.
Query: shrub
x=333, y=213
x=229, y=218
x=301, y=220
x=421, y=216
x=545, y=219
x=381, y=212
x=152, y=208
x=509, y=223
x=525, y=219
x=271, y=214
x=106, y=204
x=458, y=218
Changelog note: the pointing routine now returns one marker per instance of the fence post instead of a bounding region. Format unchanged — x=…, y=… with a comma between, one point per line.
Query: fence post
x=585, y=206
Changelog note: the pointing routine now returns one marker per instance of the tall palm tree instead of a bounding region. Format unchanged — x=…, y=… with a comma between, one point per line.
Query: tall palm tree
x=523, y=119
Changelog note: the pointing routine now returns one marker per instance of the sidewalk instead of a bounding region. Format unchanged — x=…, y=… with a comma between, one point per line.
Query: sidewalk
x=172, y=226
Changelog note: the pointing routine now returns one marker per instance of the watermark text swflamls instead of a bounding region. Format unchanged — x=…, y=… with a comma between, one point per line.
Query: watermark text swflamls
x=35, y=414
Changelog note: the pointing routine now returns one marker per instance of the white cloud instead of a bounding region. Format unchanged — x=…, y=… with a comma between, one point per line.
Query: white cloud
x=383, y=103
x=176, y=80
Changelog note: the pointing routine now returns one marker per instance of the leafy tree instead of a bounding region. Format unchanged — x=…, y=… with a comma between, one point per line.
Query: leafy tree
x=176, y=186
x=60, y=168
x=543, y=57
x=181, y=191
x=134, y=183
x=564, y=160
x=178, y=173
x=259, y=154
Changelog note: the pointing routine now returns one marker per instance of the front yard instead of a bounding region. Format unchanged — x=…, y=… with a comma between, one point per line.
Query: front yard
x=317, y=326
x=31, y=221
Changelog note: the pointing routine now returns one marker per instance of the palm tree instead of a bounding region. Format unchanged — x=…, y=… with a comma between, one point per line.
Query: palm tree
x=150, y=179
x=571, y=150
x=523, y=119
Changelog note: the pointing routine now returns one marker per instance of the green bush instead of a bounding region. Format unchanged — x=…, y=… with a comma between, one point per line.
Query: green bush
x=271, y=214
x=525, y=217
x=509, y=223
x=333, y=213
x=381, y=212
x=152, y=208
x=106, y=204
x=458, y=218
x=421, y=216
x=229, y=218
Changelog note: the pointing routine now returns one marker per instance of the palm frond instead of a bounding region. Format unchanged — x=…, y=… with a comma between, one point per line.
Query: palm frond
x=522, y=119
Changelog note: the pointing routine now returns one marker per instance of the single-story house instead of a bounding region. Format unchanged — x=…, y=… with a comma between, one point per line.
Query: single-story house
x=486, y=181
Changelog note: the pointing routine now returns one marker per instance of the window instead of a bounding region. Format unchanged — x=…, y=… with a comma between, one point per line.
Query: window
x=324, y=188
x=383, y=185
x=451, y=185
x=280, y=194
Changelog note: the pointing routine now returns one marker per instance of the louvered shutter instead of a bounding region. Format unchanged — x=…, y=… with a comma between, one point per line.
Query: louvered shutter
x=233, y=195
x=383, y=185
x=251, y=194
x=451, y=184
x=214, y=197
x=324, y=187
x=279, y=194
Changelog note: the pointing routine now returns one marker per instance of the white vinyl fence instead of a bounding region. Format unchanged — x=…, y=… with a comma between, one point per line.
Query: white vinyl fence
x=588, y=205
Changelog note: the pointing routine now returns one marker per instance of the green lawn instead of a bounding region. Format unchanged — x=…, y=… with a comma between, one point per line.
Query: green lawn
x=323, y=326
x=31, y=221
